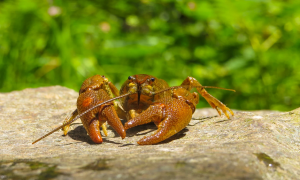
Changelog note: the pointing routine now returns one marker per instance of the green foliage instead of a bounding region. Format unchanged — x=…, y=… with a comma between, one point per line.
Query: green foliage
x=251, y=46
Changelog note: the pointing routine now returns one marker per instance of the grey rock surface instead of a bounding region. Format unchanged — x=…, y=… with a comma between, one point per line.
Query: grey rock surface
x=252, y=145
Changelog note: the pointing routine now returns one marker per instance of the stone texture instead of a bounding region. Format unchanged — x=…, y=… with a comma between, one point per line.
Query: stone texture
x=252, y=145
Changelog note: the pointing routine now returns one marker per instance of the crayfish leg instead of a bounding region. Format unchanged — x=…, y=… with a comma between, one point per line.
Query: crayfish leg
x=104, y=128
x=131, y=114
x=191, y=82
x=216, y=104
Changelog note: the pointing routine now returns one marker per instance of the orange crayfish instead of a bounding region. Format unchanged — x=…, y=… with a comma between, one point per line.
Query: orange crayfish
x=143, y=99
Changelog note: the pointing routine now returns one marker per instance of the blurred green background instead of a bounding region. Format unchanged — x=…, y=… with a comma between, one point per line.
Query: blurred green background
x=252, y=46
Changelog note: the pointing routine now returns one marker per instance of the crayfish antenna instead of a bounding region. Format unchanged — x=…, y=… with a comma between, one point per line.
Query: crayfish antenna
x=55, y=129
x=185, y=86
x=213, y=87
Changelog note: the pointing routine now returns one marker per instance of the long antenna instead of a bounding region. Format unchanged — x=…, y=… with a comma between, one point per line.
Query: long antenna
x=177, y=87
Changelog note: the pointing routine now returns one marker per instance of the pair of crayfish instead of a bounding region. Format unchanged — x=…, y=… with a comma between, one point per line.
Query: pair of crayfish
x=142, y=99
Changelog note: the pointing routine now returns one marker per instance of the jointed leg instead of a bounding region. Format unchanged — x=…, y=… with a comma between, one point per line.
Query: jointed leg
x=113, y=89
x=104, y=128
x=191, y=82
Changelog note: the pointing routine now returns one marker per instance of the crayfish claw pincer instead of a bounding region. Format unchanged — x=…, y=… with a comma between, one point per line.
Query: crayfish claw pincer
x=169, y=118
x=92, y=120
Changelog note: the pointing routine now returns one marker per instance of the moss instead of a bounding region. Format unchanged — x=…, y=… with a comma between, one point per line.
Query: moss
x=268, y=161
x=47, y=171
x=180, y=164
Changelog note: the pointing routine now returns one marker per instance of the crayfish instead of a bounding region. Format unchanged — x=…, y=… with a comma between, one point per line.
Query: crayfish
x=142, y=99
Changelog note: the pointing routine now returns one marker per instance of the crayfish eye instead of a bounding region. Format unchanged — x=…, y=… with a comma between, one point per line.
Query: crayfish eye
x=152, y=79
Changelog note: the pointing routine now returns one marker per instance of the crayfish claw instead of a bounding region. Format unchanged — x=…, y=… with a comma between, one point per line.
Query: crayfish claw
x=94, y=132
x=114, y=121
x=158, y=136
x=170, y=118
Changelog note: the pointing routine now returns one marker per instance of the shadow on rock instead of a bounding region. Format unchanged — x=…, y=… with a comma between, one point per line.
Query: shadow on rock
x=80, y=134
x=177, y=136
x=141, y=130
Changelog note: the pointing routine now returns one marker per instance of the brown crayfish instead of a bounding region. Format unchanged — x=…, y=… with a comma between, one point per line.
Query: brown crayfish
x=143, y=99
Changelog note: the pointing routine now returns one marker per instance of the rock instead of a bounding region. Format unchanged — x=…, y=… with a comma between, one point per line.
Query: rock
x=252, y=145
